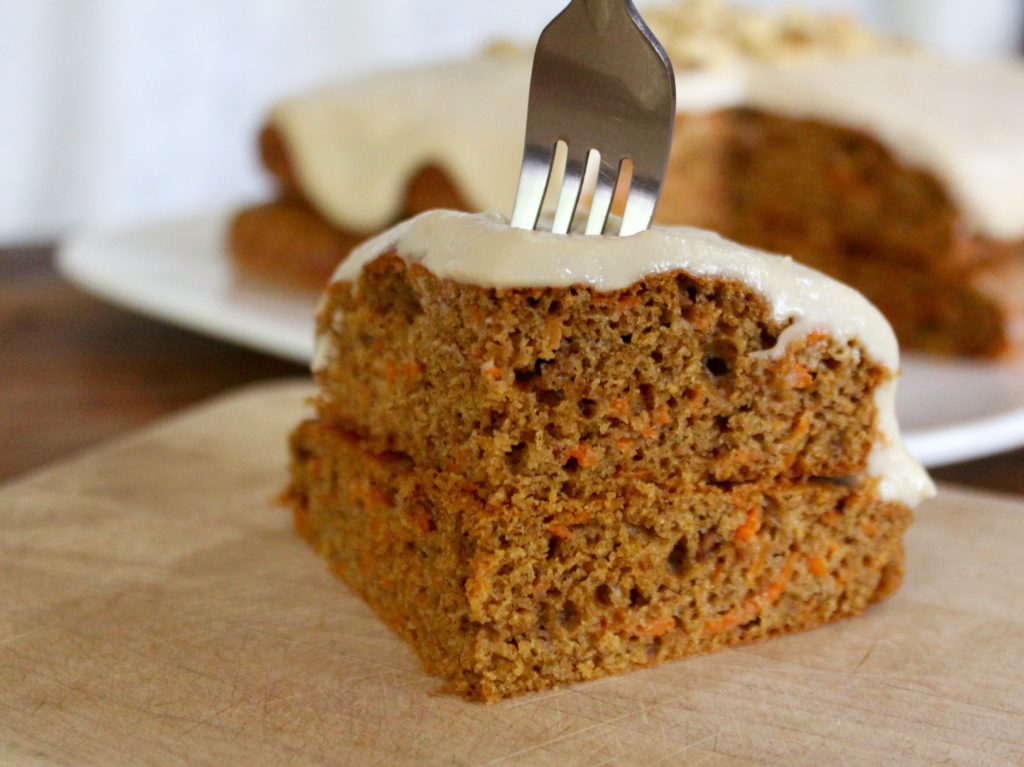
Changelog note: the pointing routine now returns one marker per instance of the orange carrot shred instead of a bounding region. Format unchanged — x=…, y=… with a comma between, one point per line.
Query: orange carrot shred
x=559, y=531
x=750, y=608
x=584, y=456
x=656, y=628
x=420, y=520
x=817, y=566
x=376, y=498
x=749, y=528
x=645, y=429
x=618, y=406
x=799, y=377
x=803, y=424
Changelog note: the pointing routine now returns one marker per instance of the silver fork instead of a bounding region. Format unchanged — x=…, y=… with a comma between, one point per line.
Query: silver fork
x=601, y=84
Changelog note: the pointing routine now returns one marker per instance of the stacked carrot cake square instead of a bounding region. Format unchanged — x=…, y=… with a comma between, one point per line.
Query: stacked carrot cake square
x=544, y=459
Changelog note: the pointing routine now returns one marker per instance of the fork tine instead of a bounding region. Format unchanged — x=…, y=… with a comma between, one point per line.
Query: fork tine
x=640, y=205
x=604, y=192
x=572, y=185
x=533, y=185
x=601, y=79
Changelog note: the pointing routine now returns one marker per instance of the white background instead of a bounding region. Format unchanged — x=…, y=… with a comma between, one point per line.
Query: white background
x=117, y=110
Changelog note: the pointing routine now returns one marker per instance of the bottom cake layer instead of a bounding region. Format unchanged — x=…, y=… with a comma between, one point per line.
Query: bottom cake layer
x=502, y=594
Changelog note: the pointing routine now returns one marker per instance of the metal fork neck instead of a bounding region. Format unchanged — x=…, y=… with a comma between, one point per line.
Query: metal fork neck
x=602, y=11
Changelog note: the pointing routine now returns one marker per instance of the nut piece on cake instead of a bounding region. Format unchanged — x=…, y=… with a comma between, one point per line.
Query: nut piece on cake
x=544, y=459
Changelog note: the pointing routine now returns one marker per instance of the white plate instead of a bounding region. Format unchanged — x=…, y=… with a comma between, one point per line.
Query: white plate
x=950, y=410
x=177, y=271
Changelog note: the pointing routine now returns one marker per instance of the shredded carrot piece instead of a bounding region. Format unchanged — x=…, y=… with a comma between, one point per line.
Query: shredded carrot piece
x=419, y=519
x=625, y=446
x=366, y=562
x=799, y=377
x=375, y=498
x=661, y=417
x=757, y=566
x=817, y=566
x=749, y=529
x=584, y=456
x=390, y=371
x=745, y=457
x=618, y=406
x=656, y=628
x=869, y=528
x=561, y=527
x=803, y=424
x=491, y=370
x=645, y=429
x=774, y=590
x=559, y=531
x=750, y=608
x=412, y=370
x=702, y=322
x=739, y=615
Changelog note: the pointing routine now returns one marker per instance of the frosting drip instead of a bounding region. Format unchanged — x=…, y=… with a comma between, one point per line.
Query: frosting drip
x=355, y=147
x=482, y=249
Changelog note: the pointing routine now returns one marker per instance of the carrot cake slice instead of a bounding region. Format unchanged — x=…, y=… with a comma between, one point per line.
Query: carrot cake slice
x=801, y=134
x=547, y=458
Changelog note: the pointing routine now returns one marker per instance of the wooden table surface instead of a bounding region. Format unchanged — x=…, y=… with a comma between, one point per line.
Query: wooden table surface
x=164, y=612
x=77, y=371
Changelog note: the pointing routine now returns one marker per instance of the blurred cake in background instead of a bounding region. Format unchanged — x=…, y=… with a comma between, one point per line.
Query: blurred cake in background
x=893, y=170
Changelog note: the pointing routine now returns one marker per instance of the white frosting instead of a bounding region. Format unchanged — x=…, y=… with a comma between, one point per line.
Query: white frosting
x=482, y=249
x=355, y=147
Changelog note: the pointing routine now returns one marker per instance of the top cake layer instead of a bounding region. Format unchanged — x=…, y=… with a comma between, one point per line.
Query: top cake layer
x=672, y=353
x=355, y=147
